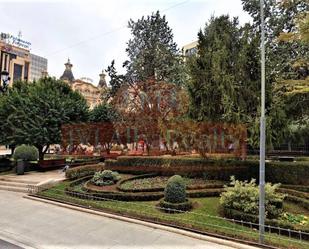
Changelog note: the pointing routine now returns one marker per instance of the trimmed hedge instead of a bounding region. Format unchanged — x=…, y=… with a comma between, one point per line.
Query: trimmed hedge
x=299, y=201
x=300, y=188
x=214, y=192
x=99, y=195
x=296, y=173
x=169, y=207
x=142, y=196
x=155, y=161
x=294, y=193
x=82, y=171
x=158, y=189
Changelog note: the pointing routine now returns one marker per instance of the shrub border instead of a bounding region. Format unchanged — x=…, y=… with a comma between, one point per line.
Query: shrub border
x=238, y=215
x=169, y=207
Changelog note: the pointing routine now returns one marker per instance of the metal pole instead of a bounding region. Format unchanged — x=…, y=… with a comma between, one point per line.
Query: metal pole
x=262, y=133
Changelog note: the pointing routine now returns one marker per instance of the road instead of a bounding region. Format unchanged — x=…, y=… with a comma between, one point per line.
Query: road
x=40, y=225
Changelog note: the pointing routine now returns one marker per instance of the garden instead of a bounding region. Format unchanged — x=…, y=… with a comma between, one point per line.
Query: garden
x=211, y=196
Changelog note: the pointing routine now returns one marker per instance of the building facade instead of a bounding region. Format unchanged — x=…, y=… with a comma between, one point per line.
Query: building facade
x=84, y=86
x=190, y=49
x=15, y=61
x=38, y=67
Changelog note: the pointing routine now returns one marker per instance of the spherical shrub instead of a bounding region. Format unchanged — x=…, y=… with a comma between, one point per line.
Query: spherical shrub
x=175, y=190
x=26, y=153
x=106, y=177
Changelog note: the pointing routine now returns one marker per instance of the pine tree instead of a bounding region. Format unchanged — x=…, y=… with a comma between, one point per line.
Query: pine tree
x=152, y=52
x=116, y=81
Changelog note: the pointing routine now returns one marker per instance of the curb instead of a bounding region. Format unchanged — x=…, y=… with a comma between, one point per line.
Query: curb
x=147, y=224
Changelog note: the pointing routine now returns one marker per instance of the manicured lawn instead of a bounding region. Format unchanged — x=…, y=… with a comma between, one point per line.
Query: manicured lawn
x=201, y=218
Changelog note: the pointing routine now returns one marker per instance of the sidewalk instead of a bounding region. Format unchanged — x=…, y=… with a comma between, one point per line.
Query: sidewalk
x=45, y=226
x=36, y=177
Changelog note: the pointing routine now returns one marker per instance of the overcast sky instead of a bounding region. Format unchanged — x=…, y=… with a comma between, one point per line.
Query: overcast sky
x=94, y=32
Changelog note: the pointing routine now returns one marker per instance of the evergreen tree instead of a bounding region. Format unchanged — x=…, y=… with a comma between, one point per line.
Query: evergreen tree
x=280, y=17
x=33, y=113
x=116, y=81
x=225, y=73
x=152, y=52
x=103, y=113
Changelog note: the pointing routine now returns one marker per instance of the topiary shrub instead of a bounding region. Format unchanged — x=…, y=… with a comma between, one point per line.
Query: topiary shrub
x=26, y=153
x=175, y=200
x=106, y=177
x=244, y=197
x=175, y=190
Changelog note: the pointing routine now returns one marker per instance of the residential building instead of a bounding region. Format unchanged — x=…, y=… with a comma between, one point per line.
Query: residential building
x=38, y=67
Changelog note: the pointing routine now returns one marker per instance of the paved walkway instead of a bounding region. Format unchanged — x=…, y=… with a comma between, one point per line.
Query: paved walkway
x=36, y=177
x=41, y=225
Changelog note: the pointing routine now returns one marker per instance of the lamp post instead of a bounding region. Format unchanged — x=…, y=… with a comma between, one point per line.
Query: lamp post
x=262, y=132
x=5, y=79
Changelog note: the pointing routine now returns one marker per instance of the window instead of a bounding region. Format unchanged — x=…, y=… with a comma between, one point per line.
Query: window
x=18, y=71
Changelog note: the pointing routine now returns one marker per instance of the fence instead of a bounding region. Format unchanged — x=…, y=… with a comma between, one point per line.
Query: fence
x=201, y=222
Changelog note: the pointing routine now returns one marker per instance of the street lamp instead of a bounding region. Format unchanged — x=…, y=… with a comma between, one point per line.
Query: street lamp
x=262, y=133
x=5, y=78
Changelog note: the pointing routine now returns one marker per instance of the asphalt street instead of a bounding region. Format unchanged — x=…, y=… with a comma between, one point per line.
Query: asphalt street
x=40, y=225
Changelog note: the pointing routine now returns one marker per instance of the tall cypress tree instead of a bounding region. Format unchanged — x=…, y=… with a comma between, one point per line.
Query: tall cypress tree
x=225, y=73
x=152, y=51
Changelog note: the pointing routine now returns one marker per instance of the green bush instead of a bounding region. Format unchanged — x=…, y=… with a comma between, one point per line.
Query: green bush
x=26, y=153
x=175, y=207
x=296, y=173
x=244, y=196
x=82, y=171
x=175, y=190
x=174, y=161
x=106, y=177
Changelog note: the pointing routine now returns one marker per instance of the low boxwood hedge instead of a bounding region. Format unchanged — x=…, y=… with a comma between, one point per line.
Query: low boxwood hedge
x=169, y=207
x=295, y=173
x=153, y=161
x=214, y=192
x=101, y=196
x=81, y=171
x=120, y=188
x=294, y=193
x=125, y=196
x=298, y=200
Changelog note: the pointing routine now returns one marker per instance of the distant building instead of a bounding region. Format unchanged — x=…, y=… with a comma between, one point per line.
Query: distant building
x=67, y=75
x=84, y=85
x=38, y=67
x=14, y=60
x=190, y=49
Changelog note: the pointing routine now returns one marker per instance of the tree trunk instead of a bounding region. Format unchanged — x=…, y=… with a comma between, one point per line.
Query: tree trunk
x=12, y=147
x=41, y=152
x=289, y=146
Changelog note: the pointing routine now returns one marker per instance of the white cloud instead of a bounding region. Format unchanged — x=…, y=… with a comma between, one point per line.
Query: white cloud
x=93, y=32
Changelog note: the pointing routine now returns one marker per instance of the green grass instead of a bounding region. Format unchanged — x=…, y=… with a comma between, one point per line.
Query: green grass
x=201, y=218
